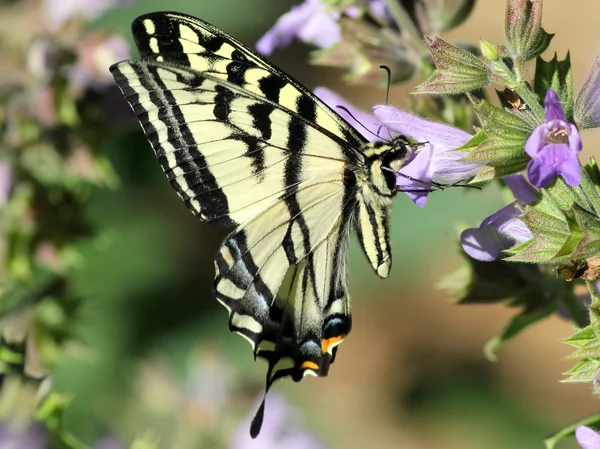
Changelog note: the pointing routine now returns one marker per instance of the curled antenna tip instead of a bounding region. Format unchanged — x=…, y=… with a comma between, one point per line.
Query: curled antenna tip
x=389, y=81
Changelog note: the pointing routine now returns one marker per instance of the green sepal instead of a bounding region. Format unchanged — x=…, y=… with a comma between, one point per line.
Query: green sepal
x=524, y=33
x=551, y=230
x=587, y=105
x=586, y=342
x=495, y=170
x=583, y=372
x=565, y=223
x=499, y=144
x=502, y=125
x=457, y=71
x=533, y=312
x=557, y=75
x=589, y=421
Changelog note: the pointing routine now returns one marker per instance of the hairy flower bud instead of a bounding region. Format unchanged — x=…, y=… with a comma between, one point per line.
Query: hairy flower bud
x=524, y=33
x=457, y=71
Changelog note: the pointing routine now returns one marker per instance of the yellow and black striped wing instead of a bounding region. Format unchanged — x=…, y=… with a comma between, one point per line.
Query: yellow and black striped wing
x=244, y=145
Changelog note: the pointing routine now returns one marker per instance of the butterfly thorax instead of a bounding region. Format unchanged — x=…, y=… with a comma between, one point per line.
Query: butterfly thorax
x=383, y=161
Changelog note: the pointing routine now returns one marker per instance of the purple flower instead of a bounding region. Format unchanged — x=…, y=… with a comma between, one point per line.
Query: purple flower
x=553, y=147
x=278, y=430
x=5, y=182
x=587, y=438
x=437, y=161
x=313, y=22
x=379, y=8
x=32, y=436
x=502, y=229
x=58, y=12
x=95, y=52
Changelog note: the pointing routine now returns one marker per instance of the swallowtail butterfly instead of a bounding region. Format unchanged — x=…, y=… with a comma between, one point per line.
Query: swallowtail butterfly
x=248, y=147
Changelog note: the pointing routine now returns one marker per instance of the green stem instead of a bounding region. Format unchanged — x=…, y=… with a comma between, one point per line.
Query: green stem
x=404, y=22
x=513, y=79
x=536, y=108
x=594, y=306
x=570, y=430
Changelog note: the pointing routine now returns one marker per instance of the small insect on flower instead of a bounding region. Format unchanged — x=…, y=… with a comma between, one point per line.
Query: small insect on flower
x=553, y=147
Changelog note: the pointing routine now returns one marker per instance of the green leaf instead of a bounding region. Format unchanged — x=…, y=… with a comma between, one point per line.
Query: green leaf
x=534, y=312
x=457, y=71
x=590, y=421
x=557, y=75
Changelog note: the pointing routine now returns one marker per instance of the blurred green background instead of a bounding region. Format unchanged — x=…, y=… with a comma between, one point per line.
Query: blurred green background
x=157, y=355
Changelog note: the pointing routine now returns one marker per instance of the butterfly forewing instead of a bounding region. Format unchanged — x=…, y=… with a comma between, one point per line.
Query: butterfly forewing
x=188, y=41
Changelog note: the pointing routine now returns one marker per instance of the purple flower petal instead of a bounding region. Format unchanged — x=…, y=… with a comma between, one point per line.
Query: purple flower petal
x=535, y=141
x=484, y=244
x=553, y=147
x=58, y=12
x=498, y=232
x=418, y=169
x=574, y=139
x=321, y=30
x=333, y=100
x=33, y=436
x=440, y=164
x=587, y=438
x=309, y=21
x=551, y=161
x=523, y=192
x=420, y=129
x=5, y=182
x=553, y=108
x=379, y=9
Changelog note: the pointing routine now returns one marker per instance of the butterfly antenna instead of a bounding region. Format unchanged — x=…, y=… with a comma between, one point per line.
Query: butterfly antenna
x=389, y=81
x=345, y=109
x=434, y=185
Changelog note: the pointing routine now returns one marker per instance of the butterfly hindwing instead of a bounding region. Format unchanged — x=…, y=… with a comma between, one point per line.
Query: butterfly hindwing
x=289, y=329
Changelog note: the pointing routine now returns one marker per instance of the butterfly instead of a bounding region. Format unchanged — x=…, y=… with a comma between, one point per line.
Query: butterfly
x=248, y=147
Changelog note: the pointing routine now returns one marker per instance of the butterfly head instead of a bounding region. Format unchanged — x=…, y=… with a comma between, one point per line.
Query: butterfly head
x=385, y=159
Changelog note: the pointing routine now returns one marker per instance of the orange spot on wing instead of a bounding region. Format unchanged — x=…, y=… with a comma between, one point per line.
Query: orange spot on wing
x=328, y=343
x=309, y=365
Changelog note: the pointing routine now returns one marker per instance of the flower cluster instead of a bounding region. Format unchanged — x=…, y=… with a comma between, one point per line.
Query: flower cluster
x=361, y=35
x=530, y=144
